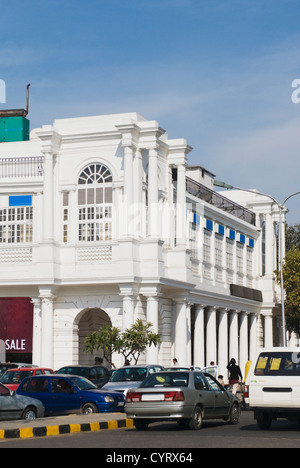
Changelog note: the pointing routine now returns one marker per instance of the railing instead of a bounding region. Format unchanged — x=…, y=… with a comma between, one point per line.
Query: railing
x=216, y=199
x=22, y=167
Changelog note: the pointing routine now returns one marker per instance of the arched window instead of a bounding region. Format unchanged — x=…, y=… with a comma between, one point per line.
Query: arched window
x=95, y=204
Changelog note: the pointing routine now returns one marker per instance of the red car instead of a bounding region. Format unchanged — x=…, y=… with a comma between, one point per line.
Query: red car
x=13, y=377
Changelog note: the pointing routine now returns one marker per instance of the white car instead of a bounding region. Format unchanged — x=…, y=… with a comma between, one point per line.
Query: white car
x=272, y=387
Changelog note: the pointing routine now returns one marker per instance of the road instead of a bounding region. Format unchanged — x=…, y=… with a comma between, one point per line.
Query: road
x=169, y=437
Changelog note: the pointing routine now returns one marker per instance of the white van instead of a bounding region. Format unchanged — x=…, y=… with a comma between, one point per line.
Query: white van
x=272, y=387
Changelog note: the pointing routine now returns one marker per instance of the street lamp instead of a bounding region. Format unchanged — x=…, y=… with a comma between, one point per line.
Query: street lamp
x=281, y=207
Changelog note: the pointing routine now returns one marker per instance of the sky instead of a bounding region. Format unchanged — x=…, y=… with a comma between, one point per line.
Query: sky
x=218, y=73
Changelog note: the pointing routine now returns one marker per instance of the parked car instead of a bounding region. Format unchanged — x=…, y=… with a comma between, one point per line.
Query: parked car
x=130, y=376
x=99, y=375
x=14, y=406
x=13, y=377
x=272, y=387
x=182, y=368
x=61, y=394
x=186, y=397
x=4, y=366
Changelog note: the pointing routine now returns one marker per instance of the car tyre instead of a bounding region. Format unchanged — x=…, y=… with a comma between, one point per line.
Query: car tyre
x=29, y=414
x=234, y=415
x=196, y=421
x=141, y=424
x=264, y=421
x=89, y=408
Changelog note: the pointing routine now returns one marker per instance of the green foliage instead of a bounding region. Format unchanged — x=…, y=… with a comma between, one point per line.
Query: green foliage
x=131, y=343
x=291, y=279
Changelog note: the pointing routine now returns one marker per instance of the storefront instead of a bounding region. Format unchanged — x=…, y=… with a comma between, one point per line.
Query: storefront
x=16, y=328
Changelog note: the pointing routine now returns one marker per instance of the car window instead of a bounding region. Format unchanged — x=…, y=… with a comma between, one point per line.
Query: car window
x=213, y=384
x=93, y=374
x=60, y=386
x=15, y=377
x=129, y=374
x=200, y=382
x=39, y=372
x=35, y=385
x=4, y=391
x=167, y=379
x=47, y=371
x=101, y=372
x=278, y=363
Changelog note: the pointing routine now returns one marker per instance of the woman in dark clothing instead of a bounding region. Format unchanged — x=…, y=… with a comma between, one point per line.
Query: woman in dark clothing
x=235, y=375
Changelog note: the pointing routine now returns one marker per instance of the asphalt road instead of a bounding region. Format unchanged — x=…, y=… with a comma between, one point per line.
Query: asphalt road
x=168, y=437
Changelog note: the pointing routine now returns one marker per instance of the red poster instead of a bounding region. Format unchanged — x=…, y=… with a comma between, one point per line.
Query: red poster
x=16, y=324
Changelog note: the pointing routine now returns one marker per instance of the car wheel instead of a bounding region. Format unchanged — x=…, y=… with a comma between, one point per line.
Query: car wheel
x=89, y=408
x=234, y=415
x=29, y=414
x=195, y=423
x=141, y=424
x=264, y=421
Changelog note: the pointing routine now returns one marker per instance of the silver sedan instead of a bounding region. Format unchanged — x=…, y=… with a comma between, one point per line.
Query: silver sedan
x=185, y=397
x=14, y=406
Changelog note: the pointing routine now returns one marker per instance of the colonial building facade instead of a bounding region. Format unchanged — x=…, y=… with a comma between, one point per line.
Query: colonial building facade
x=103, y=221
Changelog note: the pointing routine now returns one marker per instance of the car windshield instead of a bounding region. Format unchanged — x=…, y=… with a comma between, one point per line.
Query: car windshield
x=167, y=379
x=15, y=377
x=130, y=374
x=82, y=371
x=82, y=384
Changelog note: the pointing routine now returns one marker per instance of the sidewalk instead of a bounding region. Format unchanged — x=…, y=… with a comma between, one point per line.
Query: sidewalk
x=63, y=425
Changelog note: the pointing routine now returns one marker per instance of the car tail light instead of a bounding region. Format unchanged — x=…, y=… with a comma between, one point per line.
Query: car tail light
x=133, y=397
x=174, y=396
x=246, y=391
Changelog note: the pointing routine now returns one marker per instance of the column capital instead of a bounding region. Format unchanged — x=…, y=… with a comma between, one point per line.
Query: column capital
x=128, y=290
x=150, y=291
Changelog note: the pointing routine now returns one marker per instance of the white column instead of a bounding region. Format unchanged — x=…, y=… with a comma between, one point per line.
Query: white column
x=138, y=192
x=268, y=329
x=128, y=189
x=47, y=344
x=243, y=358
x=211, y=335
x=223, y=342
x=180, y=347
x=128, y=312
x=181, y=205
x=48, y=198
x=37, y=331
x=199, y=337
x=152, y=316
x=253, y=336
x=269, y=245
x=153, y=193
x=234, y=336
x=189, y=334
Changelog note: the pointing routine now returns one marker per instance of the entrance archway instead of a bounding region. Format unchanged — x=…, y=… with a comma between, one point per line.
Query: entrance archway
x=89, y=321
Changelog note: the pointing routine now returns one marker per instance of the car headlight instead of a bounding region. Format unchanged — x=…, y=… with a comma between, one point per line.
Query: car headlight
x=109, y=399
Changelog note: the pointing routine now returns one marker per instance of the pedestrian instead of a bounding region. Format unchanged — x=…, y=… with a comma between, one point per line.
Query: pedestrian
x=175, y=362
x=221, y=380
x=235, y=375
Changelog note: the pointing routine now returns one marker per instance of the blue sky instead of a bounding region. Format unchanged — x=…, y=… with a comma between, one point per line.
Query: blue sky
x=216, y=72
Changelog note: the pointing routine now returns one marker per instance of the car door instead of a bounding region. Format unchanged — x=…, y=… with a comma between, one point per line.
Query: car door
x=204, y=395
x=38, y=388
x=64, y=397
x=221, y=399
x=9, y=408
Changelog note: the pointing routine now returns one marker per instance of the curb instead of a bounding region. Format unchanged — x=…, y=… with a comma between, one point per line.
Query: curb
x=45, y=431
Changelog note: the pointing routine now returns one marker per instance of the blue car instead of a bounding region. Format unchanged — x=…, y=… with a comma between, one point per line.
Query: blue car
x=61, y=394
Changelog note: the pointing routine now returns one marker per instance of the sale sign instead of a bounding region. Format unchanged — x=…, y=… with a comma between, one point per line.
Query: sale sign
x=16, y=324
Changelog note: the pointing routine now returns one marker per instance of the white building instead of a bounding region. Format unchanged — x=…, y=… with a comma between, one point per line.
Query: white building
x=102, y=221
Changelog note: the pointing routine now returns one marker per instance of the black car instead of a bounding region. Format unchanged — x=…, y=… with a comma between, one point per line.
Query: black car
x=99, y=375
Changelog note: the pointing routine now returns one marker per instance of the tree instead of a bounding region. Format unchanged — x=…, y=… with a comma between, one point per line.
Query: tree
x=131, y=343
x=291, y=279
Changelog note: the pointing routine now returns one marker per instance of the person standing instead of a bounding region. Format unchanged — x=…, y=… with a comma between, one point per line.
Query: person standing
x=235, y=375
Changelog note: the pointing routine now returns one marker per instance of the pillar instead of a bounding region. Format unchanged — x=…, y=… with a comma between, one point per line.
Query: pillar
x=181, y=205
x=153, y=193
x=199, y=337
x=211, y=335
x=152, y=316
x=47, y=335
x=180, y=347
x=223, y=342
x=48, y=198
x=243, y=357
x=233, y=336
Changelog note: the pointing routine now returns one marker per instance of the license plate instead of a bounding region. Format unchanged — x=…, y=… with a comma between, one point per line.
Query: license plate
x=153, y=397
x=120, y=403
